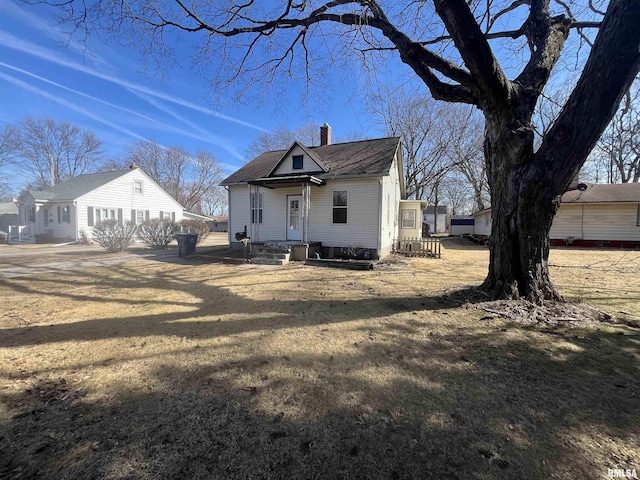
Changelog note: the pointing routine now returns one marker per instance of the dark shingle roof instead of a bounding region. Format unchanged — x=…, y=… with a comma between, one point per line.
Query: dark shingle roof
x=613, y=193
x=363, y=158
x=77, y=186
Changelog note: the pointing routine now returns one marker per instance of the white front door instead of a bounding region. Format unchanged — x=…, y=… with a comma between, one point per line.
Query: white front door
x=294, y=217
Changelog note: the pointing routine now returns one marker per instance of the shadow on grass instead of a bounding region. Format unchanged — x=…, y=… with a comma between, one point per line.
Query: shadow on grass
x=405, y=401
x=208, y=301
x=468, y=405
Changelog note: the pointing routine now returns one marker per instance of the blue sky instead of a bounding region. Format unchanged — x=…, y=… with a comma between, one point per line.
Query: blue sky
x=101, y=87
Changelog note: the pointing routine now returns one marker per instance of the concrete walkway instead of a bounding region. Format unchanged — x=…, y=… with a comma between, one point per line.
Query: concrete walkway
x=82, y=257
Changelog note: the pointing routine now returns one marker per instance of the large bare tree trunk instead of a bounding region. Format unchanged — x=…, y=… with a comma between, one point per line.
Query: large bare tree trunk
x=522, y=212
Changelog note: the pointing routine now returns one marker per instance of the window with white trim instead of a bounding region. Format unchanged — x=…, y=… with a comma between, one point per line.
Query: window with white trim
x=340, y=206
x=256, y=208
x=137, y=187
x=103, y=214
x=297, y=162
x=408, y=218
x=139, y=217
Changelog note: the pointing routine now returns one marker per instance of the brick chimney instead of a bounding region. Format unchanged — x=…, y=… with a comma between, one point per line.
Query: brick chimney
x=325, y=135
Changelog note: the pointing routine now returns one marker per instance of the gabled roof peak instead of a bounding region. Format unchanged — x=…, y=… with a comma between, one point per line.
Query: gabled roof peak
x=297, y=144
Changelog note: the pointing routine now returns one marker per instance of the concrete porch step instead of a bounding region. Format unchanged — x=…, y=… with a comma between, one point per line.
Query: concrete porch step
x=269, y=261
x=277, y=254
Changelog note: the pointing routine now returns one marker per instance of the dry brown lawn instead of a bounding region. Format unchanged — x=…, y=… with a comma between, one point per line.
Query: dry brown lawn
x=192, y=369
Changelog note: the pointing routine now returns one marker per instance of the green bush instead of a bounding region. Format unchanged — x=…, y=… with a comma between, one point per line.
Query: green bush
x=156, y=233
x=114, y=237
x=195, y=226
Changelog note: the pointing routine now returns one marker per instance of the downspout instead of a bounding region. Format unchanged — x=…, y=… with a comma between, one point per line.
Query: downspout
x=75, y=208
x=250, y=231
x=228, y=214
x=379, y=217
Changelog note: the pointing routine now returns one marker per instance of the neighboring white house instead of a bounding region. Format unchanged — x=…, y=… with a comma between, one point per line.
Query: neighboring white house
x=339, y=197
x=436, y=225
x=8, y=215
x=590, y=215
x=67, y=210
x=482, y=223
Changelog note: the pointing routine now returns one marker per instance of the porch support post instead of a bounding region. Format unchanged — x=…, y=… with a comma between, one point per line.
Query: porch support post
x=306, y=200
x=250, y=229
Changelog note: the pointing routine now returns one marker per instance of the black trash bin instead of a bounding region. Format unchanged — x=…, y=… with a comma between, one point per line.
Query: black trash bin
x=186, y=243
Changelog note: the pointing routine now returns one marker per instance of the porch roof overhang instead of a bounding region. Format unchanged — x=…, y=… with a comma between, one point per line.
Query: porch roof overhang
x=281, y=182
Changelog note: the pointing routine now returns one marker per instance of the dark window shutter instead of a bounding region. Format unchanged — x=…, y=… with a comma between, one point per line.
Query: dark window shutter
x=59, y=215
x=119, y=216
x=146, y=214
x=133, y=216
x=173, y=216
x=90, y=216
x=161, y=215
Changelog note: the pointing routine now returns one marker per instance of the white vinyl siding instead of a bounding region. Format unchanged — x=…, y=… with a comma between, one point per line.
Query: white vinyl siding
x=390, y=193
x=410, y=210
x=58, y=224
x=482, y=225
x=119, y=194
x=362, y=229
x=607, y=221
x=239, y=213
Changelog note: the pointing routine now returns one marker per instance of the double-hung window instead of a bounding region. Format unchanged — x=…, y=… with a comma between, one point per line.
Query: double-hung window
x=408, y=218
x=137, y=187
x=256, y=208
x=340, y=204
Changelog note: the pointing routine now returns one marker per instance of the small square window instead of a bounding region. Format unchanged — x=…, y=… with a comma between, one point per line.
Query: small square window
x=297, y=162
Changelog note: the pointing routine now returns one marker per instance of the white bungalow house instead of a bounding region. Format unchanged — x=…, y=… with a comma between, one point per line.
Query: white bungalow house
x=337, y=198
x=589, y=215
x=70, y=209
x=435, y=218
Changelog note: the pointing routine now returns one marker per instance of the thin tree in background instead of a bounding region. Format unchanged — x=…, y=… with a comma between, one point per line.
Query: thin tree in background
x=49, y=152
x=282, y=138
x=618, y=150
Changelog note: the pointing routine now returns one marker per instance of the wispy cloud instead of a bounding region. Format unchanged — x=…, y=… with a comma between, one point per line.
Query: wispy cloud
x=10, y=41
x=25, y=16
x=61, y=101
x=200, y=133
